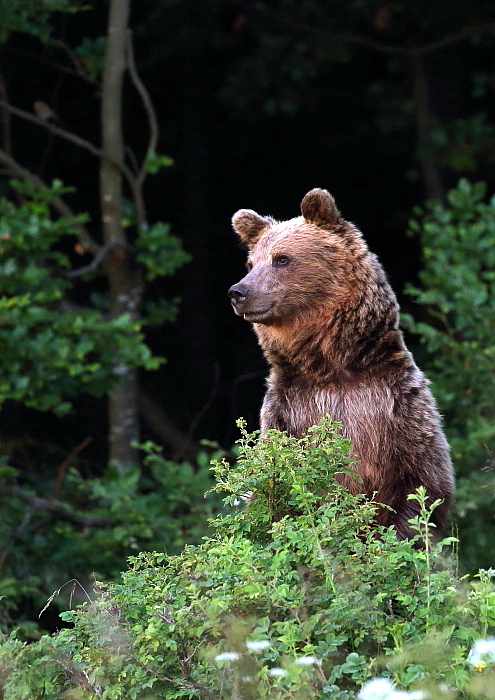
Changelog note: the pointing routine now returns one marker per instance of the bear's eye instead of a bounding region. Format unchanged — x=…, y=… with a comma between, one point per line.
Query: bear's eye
x=281, y=261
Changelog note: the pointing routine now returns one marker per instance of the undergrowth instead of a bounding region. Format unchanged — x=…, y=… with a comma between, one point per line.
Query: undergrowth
x=298, y=594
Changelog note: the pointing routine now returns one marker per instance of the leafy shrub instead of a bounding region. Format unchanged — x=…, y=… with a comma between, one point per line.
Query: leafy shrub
x=458, y=296
x=298, y=595
x=51, y=348
x=95, y=524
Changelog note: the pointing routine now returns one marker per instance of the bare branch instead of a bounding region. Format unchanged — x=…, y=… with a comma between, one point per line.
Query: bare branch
x=40, y=58
x=191, y=685
x=99, y=257
x=132, y=157
x=63, y=466
x=74, y=59
x=141, y=218
x=17, y=170
x=63, y=133
x=162, y=426
x=56, y=507
x=145, y=97
x=73, y=138
x=424, y=49
x=349, y=38
x=201, y=412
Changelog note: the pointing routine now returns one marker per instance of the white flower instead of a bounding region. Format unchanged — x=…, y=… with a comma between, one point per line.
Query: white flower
x=277, y=672
x=377, y=689
x=384, y=689
x=307, y=660
x=243, y=499
x=227, y=656
x=258, y=645
x=482, y=653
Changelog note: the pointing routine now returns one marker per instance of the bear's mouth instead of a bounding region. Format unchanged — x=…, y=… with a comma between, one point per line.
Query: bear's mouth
x=253, y=316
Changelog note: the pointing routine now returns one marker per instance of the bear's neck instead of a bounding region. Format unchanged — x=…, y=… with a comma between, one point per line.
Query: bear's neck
x=342, y=345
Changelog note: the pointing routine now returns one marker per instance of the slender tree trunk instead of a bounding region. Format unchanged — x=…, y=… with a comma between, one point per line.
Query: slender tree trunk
x=124, y=282
x=5, y=119
x=431, y=174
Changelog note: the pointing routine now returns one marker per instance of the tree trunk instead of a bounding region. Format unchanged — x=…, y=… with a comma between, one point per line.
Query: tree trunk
x=125, y=285
x=431, y=174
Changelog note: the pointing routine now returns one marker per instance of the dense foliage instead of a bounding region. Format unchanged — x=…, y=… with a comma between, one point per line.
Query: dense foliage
x=90, y=529
x=52, y=348
x=59, y=522
x=299, y=595
x=458, y=294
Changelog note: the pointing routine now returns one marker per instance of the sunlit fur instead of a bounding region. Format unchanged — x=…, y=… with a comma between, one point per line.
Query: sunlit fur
x=328, y=324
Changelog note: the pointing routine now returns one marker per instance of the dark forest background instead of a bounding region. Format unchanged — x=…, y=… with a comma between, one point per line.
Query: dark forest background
x=385, y=104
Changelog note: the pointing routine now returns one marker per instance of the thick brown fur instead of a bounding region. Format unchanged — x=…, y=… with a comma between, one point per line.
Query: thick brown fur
x=327, y=321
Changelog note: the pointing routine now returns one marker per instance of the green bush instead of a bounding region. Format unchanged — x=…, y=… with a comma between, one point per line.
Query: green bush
x=52, y=349
x=458, y=300
x=91, y=529
x=57, y=524
x=296, y=595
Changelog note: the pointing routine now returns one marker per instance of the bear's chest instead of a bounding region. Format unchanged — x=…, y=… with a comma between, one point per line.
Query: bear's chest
x=365, y=410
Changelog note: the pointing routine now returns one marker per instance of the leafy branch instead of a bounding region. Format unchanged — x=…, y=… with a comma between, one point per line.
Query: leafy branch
x=54, y=506
x=17, y=170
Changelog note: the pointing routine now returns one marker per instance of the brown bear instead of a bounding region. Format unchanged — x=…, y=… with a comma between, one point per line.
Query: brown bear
x=327, y=321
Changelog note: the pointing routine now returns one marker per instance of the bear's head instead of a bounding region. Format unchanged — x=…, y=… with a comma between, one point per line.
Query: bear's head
x=296, y=265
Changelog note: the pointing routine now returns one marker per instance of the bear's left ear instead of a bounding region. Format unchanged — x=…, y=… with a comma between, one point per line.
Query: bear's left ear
x=249, y=226
x=318, y=207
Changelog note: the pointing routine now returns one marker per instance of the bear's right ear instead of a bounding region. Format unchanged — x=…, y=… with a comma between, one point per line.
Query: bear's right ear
x=318, y=207
x=249, y=226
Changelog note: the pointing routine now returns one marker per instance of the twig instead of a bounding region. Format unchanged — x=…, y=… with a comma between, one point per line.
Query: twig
x=80, y=677
x=181, y=684
x=199, y=415
x=53, y=506
x=141, y=219
x=20, y=529
x=75, y=62
x=57, y=203
x=350, y=38
x=132, y=157
x=186, y=663
x=73, y=138
x=147, y=103
x=420, y=50
x=76, y=71
x=159, y=422
x=62, y=468
x=96, y=260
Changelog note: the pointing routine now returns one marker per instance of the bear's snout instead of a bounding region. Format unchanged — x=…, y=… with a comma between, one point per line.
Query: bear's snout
x=238, y=294
x=251, y=302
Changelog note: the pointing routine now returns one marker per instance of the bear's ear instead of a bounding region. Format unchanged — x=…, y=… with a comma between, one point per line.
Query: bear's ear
x=318, y=207
x=249, y=226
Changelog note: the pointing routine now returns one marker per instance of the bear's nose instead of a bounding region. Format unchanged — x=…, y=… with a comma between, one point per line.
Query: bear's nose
x=238, y=293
